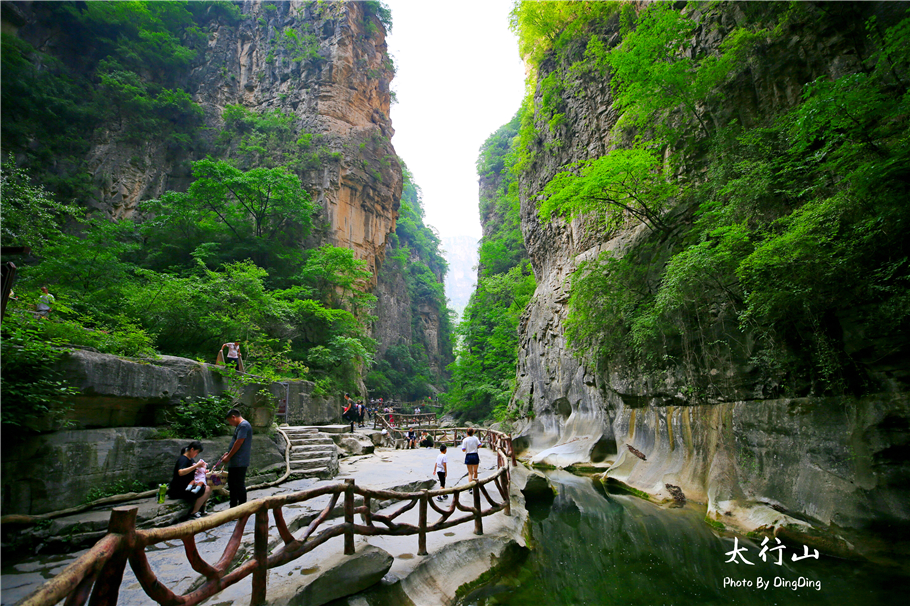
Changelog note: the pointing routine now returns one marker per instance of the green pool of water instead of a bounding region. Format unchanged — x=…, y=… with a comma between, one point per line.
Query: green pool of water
x=590, y=547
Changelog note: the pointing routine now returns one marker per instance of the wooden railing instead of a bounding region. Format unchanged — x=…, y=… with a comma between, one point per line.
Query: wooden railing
x=422, y=421
x=98, y=573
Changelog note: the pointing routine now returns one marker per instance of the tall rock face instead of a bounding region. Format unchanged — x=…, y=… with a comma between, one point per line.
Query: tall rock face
x=747, y=453
x=412, y=327
x=325, y=64
x=403, y=319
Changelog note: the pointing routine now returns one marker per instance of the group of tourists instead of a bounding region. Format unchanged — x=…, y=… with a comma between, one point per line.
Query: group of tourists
x=425, y=440
x=190, y=479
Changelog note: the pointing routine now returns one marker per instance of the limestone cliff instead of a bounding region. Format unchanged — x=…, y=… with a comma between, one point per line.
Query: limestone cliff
x=743, y=451
x=412, y=325
x=332, y=75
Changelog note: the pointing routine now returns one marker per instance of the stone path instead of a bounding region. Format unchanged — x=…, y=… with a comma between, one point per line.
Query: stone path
x=402, y=470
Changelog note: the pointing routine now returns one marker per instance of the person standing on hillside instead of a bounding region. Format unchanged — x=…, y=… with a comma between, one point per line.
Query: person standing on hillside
x=45, y=302
x=234, y=358
x=349, y=413
x=237, y=457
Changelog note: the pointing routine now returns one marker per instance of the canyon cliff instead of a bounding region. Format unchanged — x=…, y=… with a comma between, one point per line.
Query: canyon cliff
x=318, y=73
x=332, y=76
x=718, y=426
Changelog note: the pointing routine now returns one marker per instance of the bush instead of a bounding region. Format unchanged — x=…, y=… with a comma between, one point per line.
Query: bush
x=35, y=397
x=198, y=419
x=123, y=339
x=117, y=488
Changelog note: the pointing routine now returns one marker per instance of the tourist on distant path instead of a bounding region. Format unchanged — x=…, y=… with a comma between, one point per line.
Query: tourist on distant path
x=349, y=412
x=184, y=470
x=238, y=456
x=441, y=469
x=233, y=355
x=426, y=440
x=471, y=458
x=45, y=301
x=361, y=411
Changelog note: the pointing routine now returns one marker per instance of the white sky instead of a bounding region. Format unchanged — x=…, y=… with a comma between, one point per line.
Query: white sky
x=459, y=78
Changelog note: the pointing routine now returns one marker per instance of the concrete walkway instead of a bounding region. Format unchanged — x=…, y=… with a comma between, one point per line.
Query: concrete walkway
x=420, y=578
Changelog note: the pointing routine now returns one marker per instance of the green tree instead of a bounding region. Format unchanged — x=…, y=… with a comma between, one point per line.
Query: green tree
x=229, y=215
x=621, y=185
x=31, y=216
x=337, y=279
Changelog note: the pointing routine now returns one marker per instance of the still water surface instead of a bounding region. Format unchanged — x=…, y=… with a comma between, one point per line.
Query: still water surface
x=597, y=548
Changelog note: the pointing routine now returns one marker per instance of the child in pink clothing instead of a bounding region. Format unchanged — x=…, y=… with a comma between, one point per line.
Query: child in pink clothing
x=199, y=480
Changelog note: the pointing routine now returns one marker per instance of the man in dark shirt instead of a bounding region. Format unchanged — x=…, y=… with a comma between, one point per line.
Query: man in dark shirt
x=237, y=457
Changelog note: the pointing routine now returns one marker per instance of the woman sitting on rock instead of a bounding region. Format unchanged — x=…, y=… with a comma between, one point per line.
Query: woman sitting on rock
x=184, y=469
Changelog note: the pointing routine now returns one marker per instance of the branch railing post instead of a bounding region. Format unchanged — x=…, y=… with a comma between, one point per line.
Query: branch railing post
x=422, y=525
x=507, y=480
x=367, y=514
x=349, y=516
x=478, y=515
x=107, y=585
x=261, y=555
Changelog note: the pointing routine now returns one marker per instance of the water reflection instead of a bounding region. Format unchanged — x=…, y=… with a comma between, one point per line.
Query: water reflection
x=597, y=548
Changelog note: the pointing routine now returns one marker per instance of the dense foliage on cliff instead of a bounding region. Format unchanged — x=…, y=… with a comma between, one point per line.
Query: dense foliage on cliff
x=776, y=237
x=483, y=374
x=118, y=62
x=114, y=293
x=232, y=255
x=405, y=371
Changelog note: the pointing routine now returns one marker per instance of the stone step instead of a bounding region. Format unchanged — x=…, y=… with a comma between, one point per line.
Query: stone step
x=312, y=448
x=297, y=431
x=310, y=463
x=309, y=436
x=322, y=473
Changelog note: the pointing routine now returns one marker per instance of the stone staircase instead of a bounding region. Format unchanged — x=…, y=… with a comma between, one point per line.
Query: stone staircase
x=313, y=454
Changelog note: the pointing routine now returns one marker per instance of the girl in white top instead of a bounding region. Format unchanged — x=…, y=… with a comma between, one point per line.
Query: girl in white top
x=233, y=353
x=469, y=446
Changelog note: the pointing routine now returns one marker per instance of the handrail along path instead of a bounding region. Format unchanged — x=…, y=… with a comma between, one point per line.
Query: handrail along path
x=95, y=577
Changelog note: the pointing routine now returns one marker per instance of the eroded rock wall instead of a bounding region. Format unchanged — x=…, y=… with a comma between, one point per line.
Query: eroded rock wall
x=745, y=453
x=112, y=437
x=56, y=471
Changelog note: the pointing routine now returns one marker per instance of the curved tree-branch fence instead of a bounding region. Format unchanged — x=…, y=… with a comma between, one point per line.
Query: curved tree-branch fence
x=402, y=421
x=96, y=576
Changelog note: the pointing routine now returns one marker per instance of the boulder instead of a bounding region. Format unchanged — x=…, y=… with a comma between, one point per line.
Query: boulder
x=352, y=446
x=303, y=406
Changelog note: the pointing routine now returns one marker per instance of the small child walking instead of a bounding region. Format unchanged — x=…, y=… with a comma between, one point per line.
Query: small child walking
x=441, y=470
